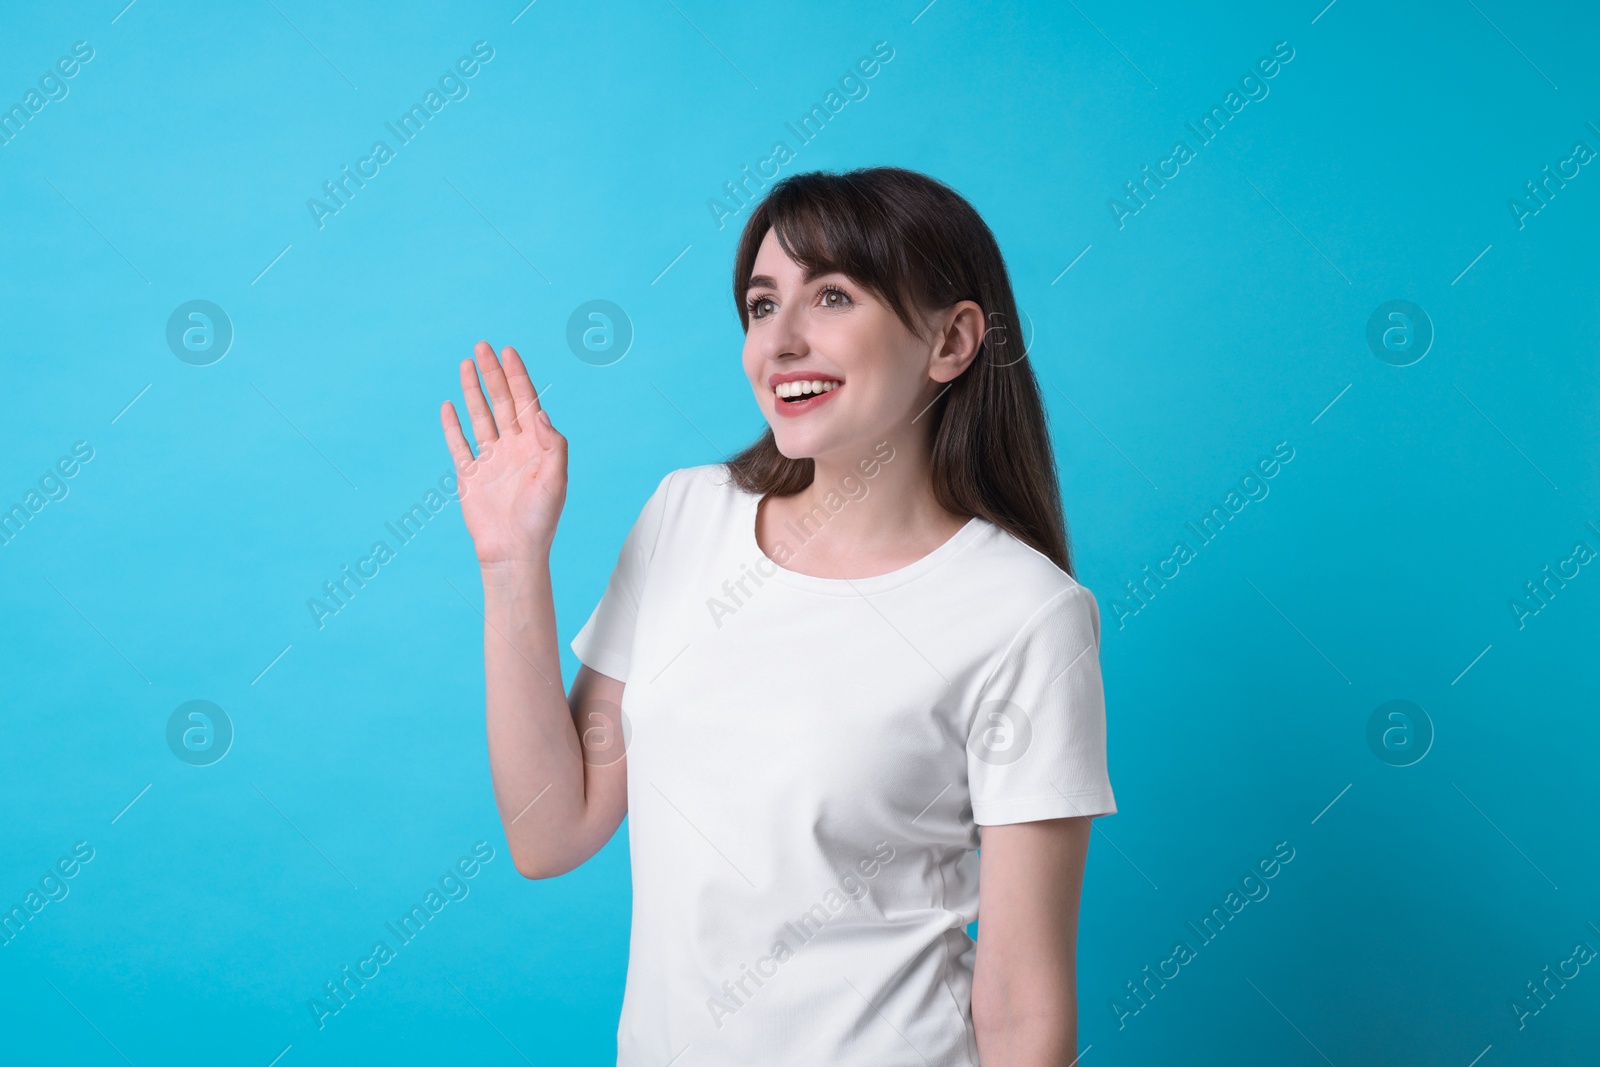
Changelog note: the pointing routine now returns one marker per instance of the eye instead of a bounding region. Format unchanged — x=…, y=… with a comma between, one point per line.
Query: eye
x=833, y=290
x=829, y=296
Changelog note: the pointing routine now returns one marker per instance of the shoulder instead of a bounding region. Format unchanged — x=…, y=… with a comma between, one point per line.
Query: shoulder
x=693, y=495
x=696, y=484
x=1044, y=595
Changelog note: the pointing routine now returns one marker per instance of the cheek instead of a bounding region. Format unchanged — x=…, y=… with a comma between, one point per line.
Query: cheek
x=889, y=375
x=862, y=351
x=752, y=365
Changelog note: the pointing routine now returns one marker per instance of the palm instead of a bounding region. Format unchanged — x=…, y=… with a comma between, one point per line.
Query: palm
x=513, y=490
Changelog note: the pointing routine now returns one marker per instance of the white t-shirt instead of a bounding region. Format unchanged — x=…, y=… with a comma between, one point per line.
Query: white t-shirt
x=809, y=762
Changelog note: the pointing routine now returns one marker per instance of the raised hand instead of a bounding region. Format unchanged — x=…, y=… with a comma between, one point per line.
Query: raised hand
x=513, y=490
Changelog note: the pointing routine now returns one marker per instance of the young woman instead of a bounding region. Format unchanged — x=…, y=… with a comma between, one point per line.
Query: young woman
x=848, y=657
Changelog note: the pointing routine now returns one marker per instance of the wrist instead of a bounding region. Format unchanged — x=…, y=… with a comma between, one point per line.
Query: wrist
x=513, y=573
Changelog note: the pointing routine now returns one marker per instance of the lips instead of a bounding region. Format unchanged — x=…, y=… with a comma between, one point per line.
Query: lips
x=797, y=392
x=807, y=387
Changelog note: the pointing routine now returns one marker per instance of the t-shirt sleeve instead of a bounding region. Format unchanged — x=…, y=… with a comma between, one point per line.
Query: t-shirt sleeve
x=605, y=643
x=1037, y=745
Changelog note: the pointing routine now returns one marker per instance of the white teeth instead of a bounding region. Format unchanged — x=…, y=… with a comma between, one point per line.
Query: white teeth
x=816, y=386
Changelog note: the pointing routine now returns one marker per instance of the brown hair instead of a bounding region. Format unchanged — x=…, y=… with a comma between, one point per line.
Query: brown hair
x=920, y=246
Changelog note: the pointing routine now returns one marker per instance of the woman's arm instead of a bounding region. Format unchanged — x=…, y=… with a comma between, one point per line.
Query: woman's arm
x=559, y=777
x=559, y=804
x=1024, y=983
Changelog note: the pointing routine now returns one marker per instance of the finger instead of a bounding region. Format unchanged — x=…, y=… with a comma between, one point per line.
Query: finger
x=494, y=376
x=522, y=390
x=460, y=451
x=483, y=427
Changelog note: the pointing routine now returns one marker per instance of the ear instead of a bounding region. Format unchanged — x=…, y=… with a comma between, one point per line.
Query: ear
x=959, y=334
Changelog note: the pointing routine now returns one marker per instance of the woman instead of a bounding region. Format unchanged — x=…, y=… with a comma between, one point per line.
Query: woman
x=847, y=657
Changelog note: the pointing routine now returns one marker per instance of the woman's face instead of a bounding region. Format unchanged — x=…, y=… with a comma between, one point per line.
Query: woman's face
x=833, y=335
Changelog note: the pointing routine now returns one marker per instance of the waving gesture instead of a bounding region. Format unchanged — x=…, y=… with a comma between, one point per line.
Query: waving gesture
x=513, y=490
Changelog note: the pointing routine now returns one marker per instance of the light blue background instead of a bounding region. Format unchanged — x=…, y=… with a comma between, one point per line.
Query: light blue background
x=1222, y=319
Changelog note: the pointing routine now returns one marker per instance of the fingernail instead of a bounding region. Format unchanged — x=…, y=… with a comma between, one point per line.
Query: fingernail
x=544, y=417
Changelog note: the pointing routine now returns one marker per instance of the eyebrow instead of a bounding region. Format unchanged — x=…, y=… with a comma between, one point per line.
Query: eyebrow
x=763, y=281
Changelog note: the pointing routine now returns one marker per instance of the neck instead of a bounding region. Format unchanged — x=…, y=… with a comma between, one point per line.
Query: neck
x=882, y=502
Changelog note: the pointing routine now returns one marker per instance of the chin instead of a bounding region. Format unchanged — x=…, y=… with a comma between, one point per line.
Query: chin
x=795, y=449
x=819, y=446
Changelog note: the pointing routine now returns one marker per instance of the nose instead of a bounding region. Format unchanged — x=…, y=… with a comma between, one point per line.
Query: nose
x=783, y=336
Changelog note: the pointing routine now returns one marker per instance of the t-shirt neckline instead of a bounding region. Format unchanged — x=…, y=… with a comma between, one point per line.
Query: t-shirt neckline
x=850, y=586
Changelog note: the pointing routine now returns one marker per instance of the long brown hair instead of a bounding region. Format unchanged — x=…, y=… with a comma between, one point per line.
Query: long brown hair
x=920, y=246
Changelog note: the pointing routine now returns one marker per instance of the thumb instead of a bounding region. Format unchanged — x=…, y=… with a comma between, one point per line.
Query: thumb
x=548, y=435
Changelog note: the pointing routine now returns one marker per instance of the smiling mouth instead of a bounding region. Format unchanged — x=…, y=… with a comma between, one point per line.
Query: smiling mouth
x=799, y=392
